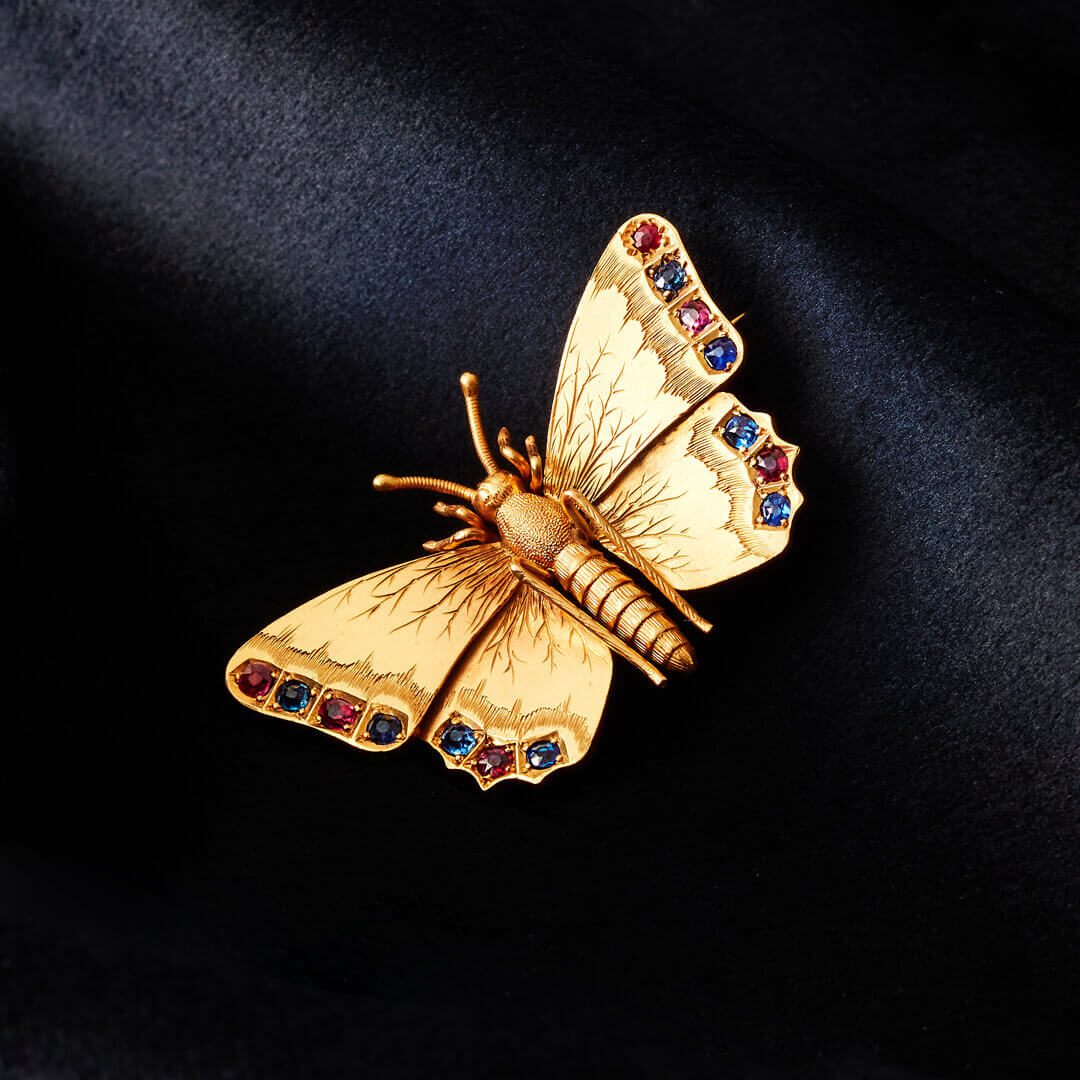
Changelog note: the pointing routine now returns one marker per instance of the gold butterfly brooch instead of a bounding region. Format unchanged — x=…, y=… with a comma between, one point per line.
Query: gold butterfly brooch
x=496, y=647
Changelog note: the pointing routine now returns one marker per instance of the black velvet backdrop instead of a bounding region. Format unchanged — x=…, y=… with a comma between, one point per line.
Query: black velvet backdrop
x=252, y=247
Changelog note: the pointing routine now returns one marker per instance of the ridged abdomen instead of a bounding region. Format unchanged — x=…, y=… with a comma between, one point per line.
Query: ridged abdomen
x=617, y=601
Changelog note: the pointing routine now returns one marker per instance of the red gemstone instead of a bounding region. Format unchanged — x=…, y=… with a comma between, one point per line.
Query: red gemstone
x=255, y=679
x=646, y=237
x=494, y=761
x=695, y=316
x=770, y=464
x=337, y=714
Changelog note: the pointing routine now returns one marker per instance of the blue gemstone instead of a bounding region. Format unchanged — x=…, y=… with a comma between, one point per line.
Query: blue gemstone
x=542, y=754
x=293, y=695
x=721, y=353
x=775, y=508
x=383, y=729
x=669, y=277
x=458, y=740
x=741, y=432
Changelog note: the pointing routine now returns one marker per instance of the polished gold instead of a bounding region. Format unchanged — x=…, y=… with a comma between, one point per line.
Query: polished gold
x=622, y=606
x=629, y=369
x=508, y=627
x=597, y=527
x=534, y=576
x=534, y=672
x=470, y=388
x=390, y=638
x=691, y=504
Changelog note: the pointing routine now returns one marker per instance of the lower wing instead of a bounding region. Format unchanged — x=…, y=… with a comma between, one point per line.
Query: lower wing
x=712, y=498
x=527, y=697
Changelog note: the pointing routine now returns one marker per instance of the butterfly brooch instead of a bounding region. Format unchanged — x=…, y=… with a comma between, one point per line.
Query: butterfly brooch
x=496, y=647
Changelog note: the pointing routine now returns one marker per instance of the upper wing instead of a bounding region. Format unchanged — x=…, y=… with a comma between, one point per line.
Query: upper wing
x=647, y=344
x=364, y=661
x=527, y=697
x=713, y=497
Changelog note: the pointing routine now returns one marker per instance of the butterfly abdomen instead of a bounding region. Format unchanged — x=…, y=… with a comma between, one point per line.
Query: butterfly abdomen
x=613, y=598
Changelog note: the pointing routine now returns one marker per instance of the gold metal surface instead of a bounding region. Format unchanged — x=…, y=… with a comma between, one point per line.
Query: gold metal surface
x=534, y=577
x=597, y=527
x=496, y=648
x=691, y=503
x=533, y=673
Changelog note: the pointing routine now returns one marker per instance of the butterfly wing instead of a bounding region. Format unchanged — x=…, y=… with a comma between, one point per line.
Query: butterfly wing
x=647, y=344
x=712, y=498
x=365, y=661
x=527, y=697
x=638, y=425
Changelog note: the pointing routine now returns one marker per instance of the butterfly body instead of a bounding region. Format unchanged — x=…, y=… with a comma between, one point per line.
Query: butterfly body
x=496, y=647
x=534, y=527
x=540, y=530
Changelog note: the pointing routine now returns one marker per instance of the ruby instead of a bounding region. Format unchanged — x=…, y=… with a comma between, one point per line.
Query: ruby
x=337, y=714
x=494, y=761
x=695, y=316
x=255, y=679
x=646, y=237
x=770, y=464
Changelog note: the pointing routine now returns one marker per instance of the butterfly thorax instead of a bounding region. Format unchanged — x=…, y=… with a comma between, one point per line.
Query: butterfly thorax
x=534, y=527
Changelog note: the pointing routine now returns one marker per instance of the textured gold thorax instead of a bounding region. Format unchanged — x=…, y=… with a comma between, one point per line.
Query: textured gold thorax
x=496, y=647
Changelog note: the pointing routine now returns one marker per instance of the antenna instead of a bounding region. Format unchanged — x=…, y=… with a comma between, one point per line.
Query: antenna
x=470, y=388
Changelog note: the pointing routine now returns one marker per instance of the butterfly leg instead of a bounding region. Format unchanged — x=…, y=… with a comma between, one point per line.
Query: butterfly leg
x=597, y=527
x=534, y=577
x=536, y=465
x=477, y=532
x=531, y=468
x=455, y=540
x=511, y=455
x=462, y=513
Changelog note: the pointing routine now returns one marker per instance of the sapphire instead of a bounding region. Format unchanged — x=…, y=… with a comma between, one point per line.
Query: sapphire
x=384, y=729
x=255, y=679
x=695, y=316
x=775, y=508
x=542, y=754
x=337, y=714
x=721, y=354
x=458, y=740
x=646, y=237
x=494, y=761
x=669, y=278
x=740, y=431
x=293, y=695
x=770, y=464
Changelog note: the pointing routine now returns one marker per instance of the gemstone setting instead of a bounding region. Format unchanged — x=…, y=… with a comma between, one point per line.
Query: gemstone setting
x=337, y=714
x=721, y=353
x=775, y=509
x=384, y=729
x=669, y=278
x=293, y=696
x=646, y=237
x=770, y=464
x=542, y=754
x=255, y=679
x=741, y=432
x=694, y=316
x=458, y=740
x=494, y=762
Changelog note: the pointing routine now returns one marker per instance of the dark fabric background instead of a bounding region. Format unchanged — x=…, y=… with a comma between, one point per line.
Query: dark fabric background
x=251, y=247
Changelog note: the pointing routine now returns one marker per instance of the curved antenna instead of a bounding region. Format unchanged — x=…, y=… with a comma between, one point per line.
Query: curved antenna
x=470, y=388
x=382, y=482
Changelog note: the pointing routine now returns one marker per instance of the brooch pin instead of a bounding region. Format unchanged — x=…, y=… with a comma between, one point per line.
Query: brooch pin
x=496, y=647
